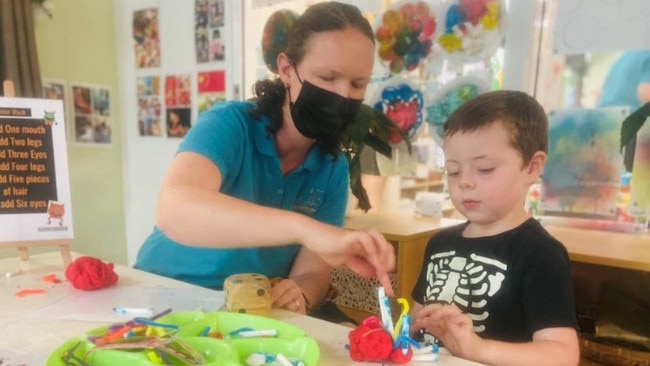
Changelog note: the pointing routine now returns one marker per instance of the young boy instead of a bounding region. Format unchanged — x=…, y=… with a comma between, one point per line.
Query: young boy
x=497, y=289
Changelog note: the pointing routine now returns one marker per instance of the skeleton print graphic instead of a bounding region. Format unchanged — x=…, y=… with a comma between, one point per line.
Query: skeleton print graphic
x=467, y=282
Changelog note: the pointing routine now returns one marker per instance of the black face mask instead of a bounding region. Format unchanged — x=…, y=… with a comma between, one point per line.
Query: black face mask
x=322, y=114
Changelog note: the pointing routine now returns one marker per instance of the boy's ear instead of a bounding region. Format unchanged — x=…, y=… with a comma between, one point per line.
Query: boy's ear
x=536, y=165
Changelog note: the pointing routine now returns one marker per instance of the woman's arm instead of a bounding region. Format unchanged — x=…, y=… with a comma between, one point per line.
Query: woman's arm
x=192, y=211
x=309, y=279
x=643, y=92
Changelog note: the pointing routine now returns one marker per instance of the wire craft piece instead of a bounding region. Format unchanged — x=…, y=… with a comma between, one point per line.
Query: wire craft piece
x=378, y=340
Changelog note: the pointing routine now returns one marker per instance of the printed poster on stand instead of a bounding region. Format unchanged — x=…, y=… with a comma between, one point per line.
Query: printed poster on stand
x=35, y=202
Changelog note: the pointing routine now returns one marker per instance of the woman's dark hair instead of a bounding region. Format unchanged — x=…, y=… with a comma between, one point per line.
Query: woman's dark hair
x=320, y=17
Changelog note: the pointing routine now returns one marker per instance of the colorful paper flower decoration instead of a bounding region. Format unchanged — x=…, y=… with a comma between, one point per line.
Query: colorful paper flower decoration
x=450, y=98
x=276, y=36
x=406, y=36
x=403, y=105
x=472, y=29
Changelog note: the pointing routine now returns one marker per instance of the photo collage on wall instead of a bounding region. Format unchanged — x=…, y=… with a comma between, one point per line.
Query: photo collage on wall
x=208, y=36
x=149, y=106
x=91, y=114
x=89, y=120
x=146, y=38
x=181, y=92
x=211, y=88
x=56, y=89
x=178, y=104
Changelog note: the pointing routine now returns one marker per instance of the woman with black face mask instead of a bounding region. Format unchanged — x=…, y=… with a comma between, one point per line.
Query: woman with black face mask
x=261, y=186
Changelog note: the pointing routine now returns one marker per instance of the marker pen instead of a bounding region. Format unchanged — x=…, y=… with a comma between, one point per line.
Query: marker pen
x=254, y=333
x=127, y=310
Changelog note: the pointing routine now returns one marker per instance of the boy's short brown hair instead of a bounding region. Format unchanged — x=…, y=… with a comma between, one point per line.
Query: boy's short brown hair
x=521, y=115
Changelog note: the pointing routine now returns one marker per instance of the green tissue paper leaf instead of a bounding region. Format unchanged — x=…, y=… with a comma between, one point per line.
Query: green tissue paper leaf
x=372, y=128
x=631, y=125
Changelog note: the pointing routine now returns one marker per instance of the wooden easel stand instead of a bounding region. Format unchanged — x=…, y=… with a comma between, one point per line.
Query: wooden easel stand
x=23, y=247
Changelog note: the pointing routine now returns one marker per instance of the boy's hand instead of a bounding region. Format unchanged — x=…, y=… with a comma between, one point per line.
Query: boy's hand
x=451, y=326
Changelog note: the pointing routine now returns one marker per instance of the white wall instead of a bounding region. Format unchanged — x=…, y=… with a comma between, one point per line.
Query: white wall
x=146, y=159
x=68, y=52
x=523, y=27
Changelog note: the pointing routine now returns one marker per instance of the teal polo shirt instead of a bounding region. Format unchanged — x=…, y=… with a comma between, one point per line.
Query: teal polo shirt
x=246, y=156
x=623, y=79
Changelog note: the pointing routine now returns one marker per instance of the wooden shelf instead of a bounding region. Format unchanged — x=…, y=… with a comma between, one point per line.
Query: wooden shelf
x=605, y=248
x=410, y=234
x=422, y=184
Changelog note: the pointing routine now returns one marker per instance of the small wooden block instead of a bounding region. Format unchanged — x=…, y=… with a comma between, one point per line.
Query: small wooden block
x=248, y=293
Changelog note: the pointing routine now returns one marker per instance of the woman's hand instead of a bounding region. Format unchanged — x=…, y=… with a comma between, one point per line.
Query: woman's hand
x=286, y=294
x=365, y=252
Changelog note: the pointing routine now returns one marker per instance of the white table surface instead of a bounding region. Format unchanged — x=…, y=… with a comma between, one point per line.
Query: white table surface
x=32, y=327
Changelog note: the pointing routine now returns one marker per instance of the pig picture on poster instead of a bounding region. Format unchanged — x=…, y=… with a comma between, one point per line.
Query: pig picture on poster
x=34, y=184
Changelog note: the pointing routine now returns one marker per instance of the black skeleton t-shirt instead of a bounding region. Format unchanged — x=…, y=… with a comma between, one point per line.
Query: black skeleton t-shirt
x=511, y=284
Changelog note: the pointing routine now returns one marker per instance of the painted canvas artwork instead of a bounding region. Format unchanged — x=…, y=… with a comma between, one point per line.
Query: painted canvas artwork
x=583, y=172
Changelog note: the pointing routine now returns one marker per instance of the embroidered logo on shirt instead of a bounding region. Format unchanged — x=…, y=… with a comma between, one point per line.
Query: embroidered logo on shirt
x=467, y=282
x=309, y=201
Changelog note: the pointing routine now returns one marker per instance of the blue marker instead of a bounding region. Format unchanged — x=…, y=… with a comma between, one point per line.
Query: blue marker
x=127, y=310
x=384, y=310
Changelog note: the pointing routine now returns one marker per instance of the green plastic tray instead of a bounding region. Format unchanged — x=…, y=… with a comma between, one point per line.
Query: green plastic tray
x=291, y=341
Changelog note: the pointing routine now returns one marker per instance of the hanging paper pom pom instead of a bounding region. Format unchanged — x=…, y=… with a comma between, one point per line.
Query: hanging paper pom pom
x=473, y=29
x=406, y=34
x=403, y=104
x=473, y=10
x=450, y=98
x=88, y=273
